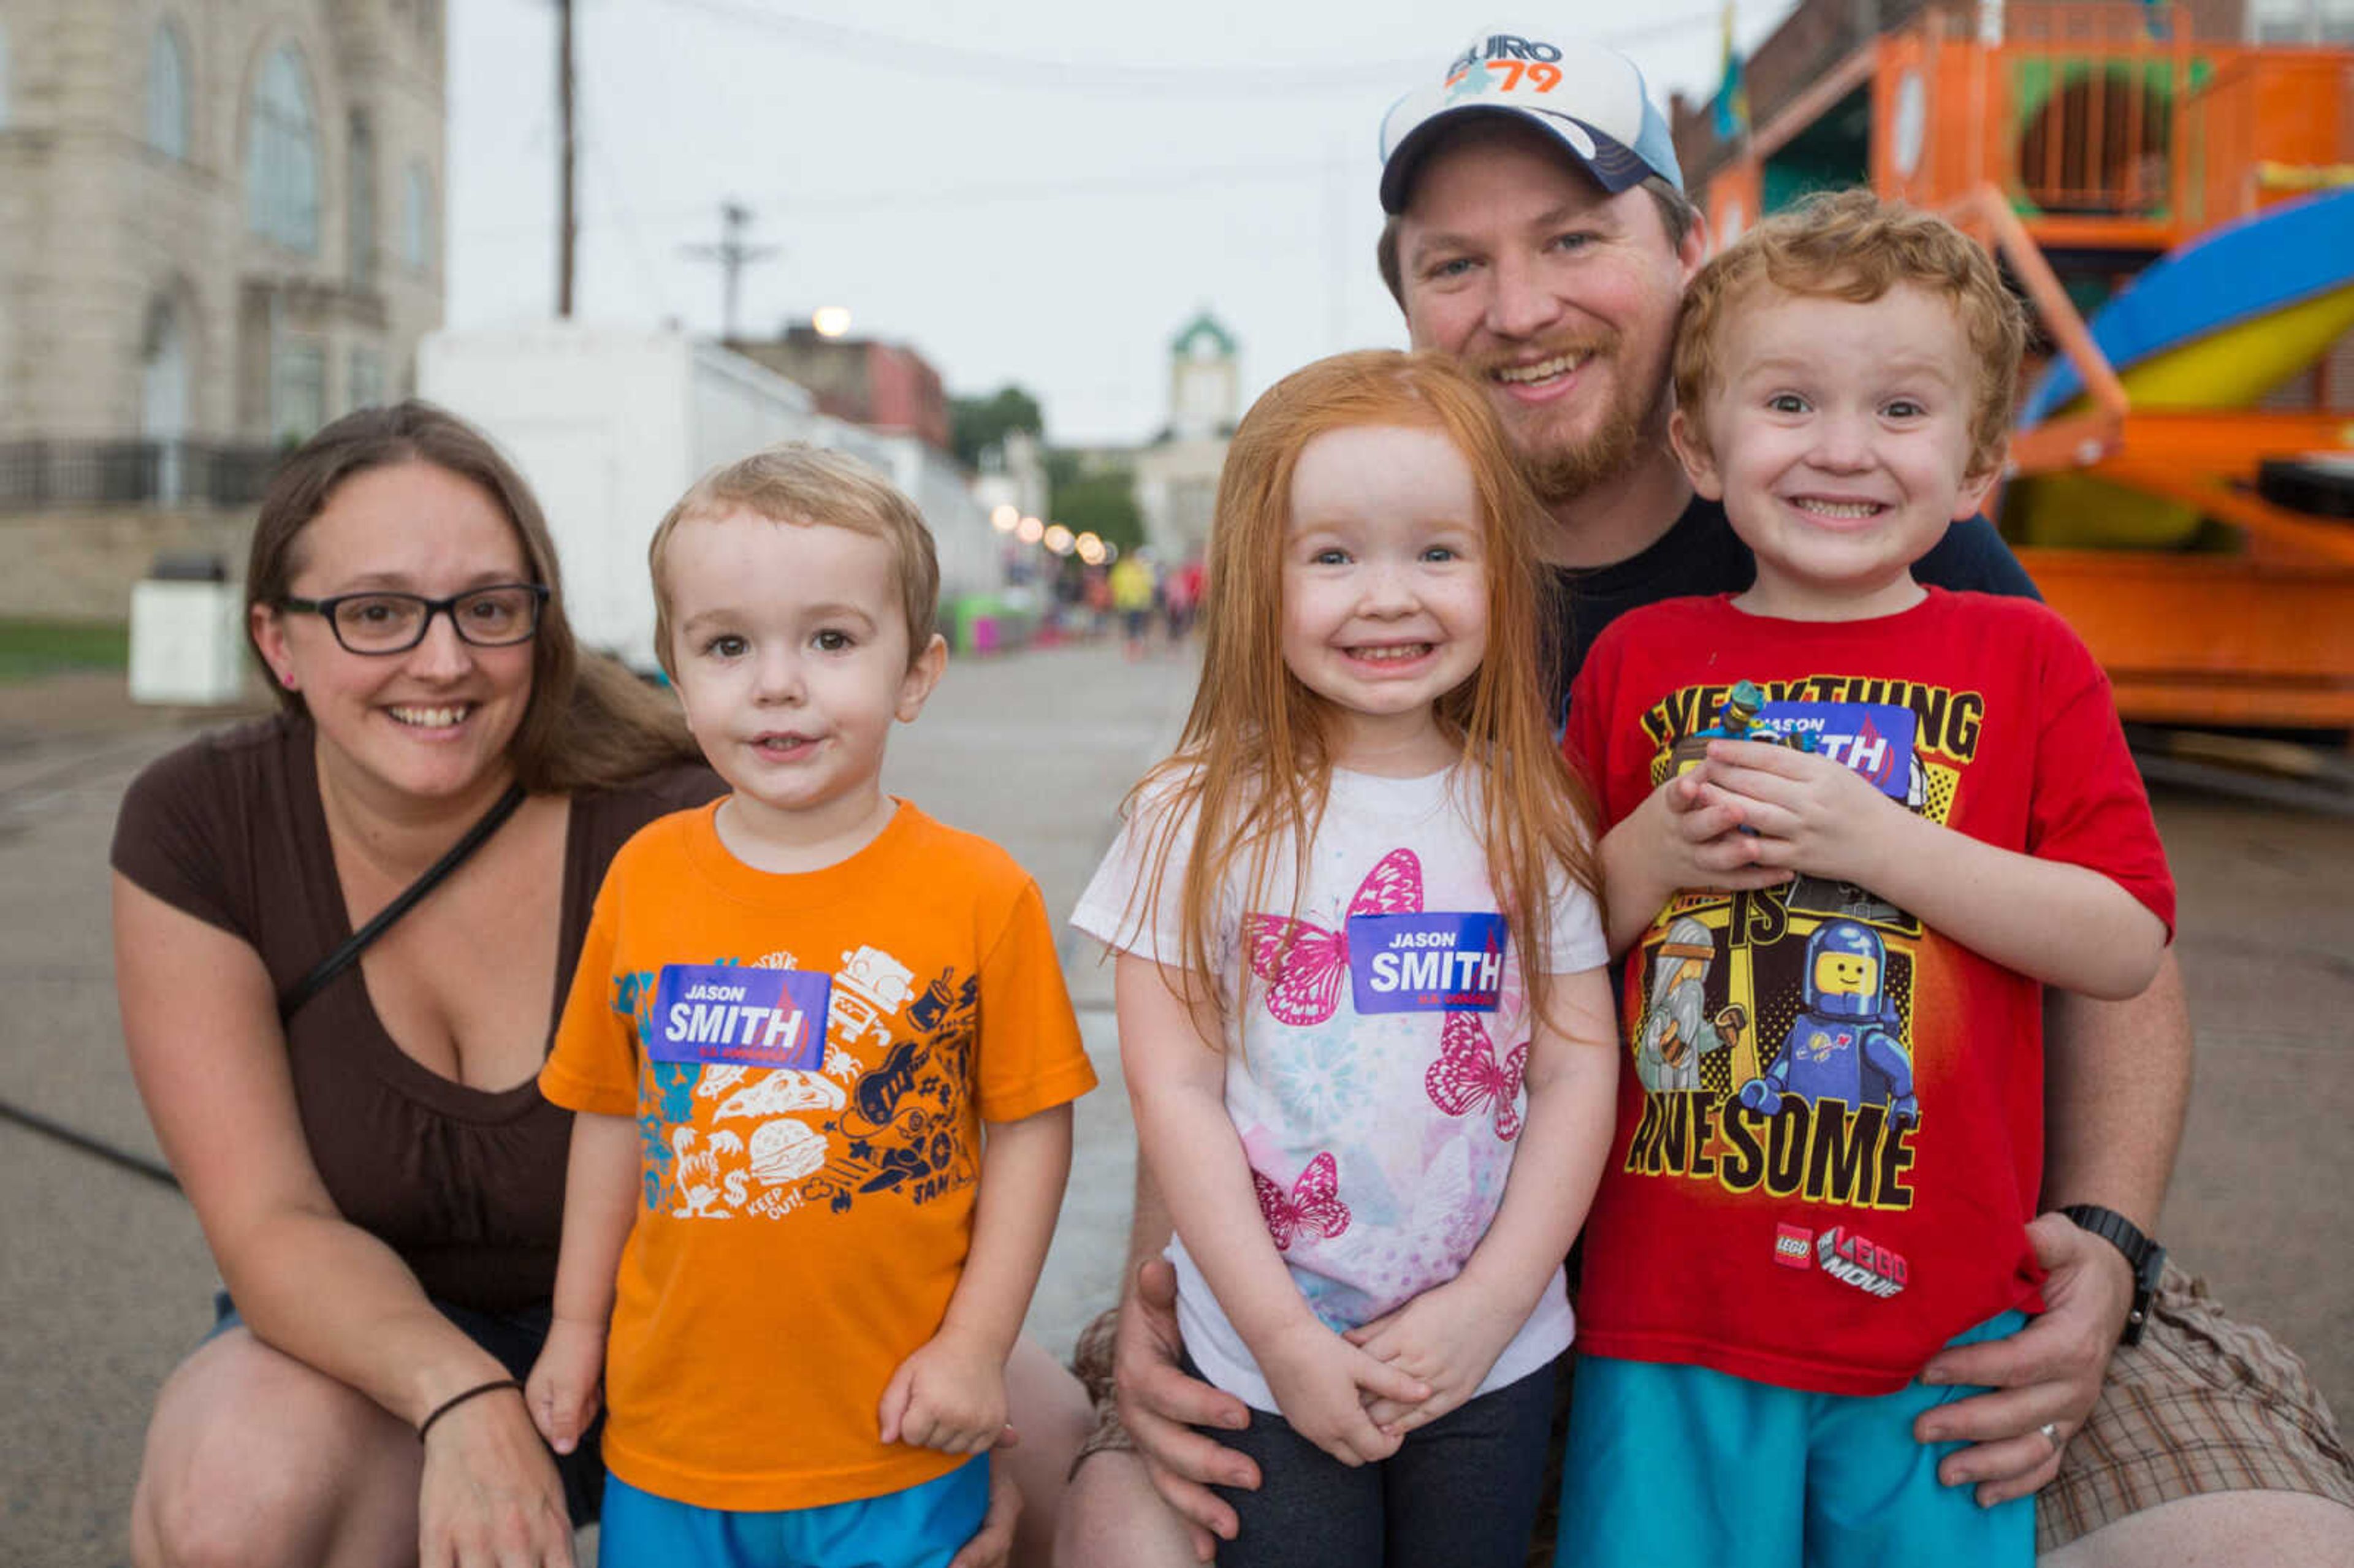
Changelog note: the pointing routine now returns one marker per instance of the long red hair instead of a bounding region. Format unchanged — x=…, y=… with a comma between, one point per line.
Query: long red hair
x=1254, y=763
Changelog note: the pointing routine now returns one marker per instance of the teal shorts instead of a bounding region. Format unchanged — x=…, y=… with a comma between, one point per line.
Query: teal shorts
x=921, y=1527
x=1681, y=1467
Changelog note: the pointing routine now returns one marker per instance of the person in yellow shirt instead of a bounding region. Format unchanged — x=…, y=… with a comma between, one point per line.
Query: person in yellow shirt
x=788, y=1242
x=1132, y=584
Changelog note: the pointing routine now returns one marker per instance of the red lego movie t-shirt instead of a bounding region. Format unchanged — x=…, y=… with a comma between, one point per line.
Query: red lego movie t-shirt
x=1830, y=1129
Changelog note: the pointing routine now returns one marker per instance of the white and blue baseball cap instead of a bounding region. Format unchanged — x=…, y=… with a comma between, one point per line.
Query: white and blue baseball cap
x=1591, y=99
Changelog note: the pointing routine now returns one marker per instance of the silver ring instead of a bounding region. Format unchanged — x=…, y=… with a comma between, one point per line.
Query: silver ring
x=2051, y=1430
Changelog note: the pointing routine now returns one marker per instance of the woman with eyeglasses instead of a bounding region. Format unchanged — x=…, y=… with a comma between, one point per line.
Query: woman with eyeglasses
x=367, y=1151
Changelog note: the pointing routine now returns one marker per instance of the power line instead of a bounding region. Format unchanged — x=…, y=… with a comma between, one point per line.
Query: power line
x=1118, y=78
x=1100, y=78
x=1168, y=182
x=602, y=167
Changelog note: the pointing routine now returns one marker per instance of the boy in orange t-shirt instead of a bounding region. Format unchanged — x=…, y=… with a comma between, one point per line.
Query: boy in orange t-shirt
x=793, y=1011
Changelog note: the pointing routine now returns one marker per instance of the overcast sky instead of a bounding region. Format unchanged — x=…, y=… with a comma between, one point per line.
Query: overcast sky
x=1044, y=197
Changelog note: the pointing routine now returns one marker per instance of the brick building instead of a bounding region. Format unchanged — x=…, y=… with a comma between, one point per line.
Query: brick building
x=882, y=385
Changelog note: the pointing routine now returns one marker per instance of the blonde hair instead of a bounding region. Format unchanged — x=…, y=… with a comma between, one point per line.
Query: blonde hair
x=1254, y=762
x=1851, y=244
x=805, y=485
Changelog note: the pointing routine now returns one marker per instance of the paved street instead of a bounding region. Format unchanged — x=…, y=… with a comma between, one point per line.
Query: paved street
x=104, y=1281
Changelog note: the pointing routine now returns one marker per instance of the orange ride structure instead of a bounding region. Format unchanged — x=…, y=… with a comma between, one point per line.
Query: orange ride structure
x=2180, y=213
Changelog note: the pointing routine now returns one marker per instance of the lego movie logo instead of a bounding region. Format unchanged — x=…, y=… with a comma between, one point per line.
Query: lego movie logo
x=1851, y=1260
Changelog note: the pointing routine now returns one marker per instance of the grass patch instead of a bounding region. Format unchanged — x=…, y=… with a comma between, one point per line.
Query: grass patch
x=45, y=647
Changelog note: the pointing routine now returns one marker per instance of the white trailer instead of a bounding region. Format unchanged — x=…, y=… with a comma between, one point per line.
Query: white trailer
x=609, y=426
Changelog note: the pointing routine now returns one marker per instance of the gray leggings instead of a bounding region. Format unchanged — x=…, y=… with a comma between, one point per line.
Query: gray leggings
x=1461, y=1492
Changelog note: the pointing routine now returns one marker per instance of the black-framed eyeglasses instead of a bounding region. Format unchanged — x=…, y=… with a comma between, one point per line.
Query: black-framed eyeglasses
x=380, y=621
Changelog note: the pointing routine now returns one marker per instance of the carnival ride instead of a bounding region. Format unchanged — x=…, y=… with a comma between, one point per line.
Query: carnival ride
x=2182, y=477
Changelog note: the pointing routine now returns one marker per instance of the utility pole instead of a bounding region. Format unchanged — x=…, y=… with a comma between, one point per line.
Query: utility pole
x=733, y=255
x=568, y=222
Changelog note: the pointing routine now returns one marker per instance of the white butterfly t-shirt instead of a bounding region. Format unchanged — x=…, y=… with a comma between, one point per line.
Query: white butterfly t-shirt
x=1374, y=1069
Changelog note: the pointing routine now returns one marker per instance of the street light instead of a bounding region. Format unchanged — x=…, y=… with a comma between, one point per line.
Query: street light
x=831, y=321
x=1059, y=539
x=1005, y=517
x=1091, y=549
x=1030, y=531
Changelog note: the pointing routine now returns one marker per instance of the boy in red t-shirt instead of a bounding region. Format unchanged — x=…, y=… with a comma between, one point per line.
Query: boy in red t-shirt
x=1837, y=927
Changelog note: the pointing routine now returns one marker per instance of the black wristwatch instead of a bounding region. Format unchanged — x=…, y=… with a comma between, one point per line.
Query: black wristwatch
x=2146, y=1256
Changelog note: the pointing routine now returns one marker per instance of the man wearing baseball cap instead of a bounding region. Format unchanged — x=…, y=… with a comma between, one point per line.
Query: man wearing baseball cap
x=1539, y=233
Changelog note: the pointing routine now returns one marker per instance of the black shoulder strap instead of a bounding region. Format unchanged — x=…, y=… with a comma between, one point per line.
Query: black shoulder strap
x=291, y=1001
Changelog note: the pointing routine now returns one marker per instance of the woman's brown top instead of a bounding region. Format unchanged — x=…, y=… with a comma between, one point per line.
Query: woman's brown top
x=465, y=1184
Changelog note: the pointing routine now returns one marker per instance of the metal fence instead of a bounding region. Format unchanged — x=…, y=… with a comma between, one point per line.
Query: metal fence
x=40, y=475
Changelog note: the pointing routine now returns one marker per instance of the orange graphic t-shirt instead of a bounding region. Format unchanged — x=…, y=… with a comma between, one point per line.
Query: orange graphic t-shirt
x=803, y=1224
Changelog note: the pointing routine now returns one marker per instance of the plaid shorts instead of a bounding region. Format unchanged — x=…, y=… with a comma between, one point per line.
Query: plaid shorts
x=2203, y=1404
x=1091, y=1360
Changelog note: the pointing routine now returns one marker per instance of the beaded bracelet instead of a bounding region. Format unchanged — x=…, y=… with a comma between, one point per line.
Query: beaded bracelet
x=455, y=1400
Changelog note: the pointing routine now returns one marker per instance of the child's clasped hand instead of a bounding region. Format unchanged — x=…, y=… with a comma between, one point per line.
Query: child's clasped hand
x=950, y=1395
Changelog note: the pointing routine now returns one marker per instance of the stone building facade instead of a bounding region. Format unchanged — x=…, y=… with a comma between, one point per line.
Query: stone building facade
x=220, y=220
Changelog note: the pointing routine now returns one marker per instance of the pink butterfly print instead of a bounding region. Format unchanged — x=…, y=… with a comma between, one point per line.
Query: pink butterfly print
x=1303, y=963
x=1313, y=1207
x=1467, y=1076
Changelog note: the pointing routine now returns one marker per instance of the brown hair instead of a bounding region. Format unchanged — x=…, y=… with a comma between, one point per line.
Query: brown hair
x=590, y=724
x=805, y=485
x=1253, y=761
x=1851, y=244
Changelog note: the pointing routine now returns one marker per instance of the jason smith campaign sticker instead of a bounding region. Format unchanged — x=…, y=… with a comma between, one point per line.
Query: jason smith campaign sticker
x=1426, y=963
x=761, y=1018
x=1875, y=739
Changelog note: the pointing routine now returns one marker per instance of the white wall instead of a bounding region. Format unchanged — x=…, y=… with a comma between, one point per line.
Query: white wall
x=609, y=427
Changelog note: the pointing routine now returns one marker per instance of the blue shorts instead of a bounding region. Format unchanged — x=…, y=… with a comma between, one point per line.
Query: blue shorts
x=514, y=1338
x=919, y=1528
x=1681, y=1467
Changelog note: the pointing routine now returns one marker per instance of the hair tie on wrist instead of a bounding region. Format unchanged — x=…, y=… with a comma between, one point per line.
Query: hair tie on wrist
x=455, y=1400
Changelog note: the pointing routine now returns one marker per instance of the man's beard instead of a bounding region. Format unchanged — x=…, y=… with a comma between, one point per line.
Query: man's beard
x=1567, y=467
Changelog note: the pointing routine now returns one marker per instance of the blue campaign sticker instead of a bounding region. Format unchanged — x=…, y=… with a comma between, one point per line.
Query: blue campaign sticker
x=1875, y=739
x=1435, y=962
x=759, y=1018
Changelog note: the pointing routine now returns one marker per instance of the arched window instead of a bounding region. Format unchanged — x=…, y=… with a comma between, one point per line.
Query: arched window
x=361, y=183
x=167, y=93
x=164, y=394
x=417, y=220
x=282, y=156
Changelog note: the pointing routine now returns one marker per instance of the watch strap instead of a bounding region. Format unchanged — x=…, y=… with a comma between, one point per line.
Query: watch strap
x=2142, y=1255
